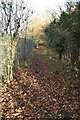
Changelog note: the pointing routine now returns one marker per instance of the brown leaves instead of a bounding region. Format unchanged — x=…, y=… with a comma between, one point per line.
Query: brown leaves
x=41, y=91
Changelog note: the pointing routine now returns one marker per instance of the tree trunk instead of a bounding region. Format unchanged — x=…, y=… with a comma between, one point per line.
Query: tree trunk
x=60, y=55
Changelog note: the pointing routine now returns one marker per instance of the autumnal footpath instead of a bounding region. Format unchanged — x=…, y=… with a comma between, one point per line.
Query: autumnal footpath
x=43, y=88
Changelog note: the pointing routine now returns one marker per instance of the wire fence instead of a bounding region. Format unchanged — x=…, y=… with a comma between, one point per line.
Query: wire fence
x=23, y=48
x=13, y=56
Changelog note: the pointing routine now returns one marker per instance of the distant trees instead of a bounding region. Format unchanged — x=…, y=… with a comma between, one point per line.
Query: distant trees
x=36, y=28
x=63, y=34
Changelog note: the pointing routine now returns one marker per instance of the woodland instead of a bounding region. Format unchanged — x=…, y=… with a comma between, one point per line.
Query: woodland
x=39, y=63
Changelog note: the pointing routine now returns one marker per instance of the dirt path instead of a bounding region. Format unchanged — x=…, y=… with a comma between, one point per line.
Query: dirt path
x=41, y=91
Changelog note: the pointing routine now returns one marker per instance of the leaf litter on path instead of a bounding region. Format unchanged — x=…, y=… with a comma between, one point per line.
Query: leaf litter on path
x=41, y=91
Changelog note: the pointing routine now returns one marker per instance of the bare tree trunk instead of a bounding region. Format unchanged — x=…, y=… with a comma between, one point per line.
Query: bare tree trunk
x=11, y=61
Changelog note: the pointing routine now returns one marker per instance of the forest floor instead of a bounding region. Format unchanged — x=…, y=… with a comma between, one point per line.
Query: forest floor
x=43, y=88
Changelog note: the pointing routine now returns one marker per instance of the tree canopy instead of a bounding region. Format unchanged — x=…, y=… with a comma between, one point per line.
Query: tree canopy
x=63, y=34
